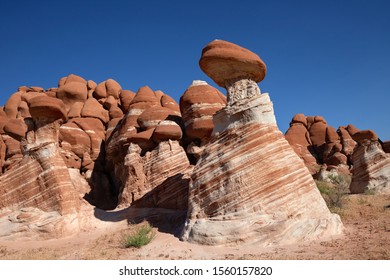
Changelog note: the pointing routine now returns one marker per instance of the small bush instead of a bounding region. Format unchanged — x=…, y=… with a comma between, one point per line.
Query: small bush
x=141, y=236
x=334, y=190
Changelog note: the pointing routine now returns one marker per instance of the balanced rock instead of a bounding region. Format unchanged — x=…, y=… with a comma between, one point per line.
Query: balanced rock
x=225, y=62
x=241, y=186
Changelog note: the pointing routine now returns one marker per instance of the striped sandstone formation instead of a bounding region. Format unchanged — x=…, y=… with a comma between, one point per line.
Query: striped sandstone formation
x=63, y=149
x=248, y=184
x=198, y=104
x=371, y=165
x=144, y=154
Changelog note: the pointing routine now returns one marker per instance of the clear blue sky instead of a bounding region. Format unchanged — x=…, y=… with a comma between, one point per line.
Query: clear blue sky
x=329, y=58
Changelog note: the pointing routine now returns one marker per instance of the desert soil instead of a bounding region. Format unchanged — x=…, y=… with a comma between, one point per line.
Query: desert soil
x=367, y=236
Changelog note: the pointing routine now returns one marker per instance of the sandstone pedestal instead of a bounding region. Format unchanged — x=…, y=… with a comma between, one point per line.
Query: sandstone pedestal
x=249, y=185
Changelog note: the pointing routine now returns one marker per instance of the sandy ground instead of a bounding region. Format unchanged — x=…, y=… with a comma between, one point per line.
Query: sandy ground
x=367, y=236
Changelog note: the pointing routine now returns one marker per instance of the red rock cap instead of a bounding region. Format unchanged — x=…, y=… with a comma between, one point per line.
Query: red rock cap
x=362, y=135
x=223, y=61
x=44, y=106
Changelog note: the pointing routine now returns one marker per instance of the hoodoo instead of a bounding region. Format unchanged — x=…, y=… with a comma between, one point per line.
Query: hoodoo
x=248, y=184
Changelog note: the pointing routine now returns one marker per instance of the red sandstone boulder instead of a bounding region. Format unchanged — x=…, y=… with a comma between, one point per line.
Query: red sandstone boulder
x=362, y=135
x=47, y=107
x=346, y=140
x=125, y=97
x=151, y=117
x=23, y=110
x=16, y=128
x=198, y=104
x=91, y=85
x=107, y=88
x=224, y=61
x=37, y=89
x=100, y=91
x=336, y=159
x=352, y=129
x=167, y=130
x=331, y=135
x=75, y=110
x=72, y=92
x=299, y=118
x=12, y=104
x=145, y=95
x=74, y=78
x=93, y=109
x=299, y=138
x=113, y=88
x=169, y=102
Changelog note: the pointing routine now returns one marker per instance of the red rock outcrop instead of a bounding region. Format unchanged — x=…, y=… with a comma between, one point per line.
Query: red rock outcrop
x=299, y=138
x=159, y=179
x=371, y=165
x=198, y=104
x=324, y=146
x=241, y=186
x=347, y=150
x=144, y=153
x=41, y=179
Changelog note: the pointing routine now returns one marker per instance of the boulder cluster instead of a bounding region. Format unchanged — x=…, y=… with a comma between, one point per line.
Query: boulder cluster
x=100, y=133
x=346, y=150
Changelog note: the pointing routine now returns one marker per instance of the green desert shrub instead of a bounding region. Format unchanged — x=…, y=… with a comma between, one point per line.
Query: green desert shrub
x=334, y=189
x=140, y=236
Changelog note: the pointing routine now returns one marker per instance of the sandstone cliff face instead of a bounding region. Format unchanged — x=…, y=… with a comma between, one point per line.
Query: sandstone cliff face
x=248, y=184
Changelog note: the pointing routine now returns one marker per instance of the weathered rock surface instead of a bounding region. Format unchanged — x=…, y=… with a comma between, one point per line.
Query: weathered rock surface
x=249, y=185
x=299, y=138
x=159, y=179
x=346, y=151
x=371, y=165
x=198, y=104
x=317, y=143
x=144, y=155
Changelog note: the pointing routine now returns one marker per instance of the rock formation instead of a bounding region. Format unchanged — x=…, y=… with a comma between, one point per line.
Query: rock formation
x=248, y=184
x=144, y=154
x=84, y=144
x=345, y=151
x=198, y=104
x=85, y=147
x=371, y=165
